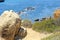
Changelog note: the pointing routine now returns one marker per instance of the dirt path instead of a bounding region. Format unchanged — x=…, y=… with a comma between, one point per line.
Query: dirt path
x=33, y=35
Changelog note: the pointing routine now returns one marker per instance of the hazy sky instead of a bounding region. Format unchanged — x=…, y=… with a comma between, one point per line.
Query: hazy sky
x=43, y=8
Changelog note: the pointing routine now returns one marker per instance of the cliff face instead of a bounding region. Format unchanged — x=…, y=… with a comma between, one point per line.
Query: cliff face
x=9, y=25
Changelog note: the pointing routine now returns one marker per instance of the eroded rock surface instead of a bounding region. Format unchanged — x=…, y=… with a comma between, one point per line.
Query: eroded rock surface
x=9, y=25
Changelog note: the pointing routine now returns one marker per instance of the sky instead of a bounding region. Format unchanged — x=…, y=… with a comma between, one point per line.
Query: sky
x=43, y=8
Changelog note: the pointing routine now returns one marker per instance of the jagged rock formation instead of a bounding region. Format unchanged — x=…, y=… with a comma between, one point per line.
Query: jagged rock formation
x=10, y=23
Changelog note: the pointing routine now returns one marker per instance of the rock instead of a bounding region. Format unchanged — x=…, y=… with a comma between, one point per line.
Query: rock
x=2, y=1
x=21, y=34
x=57, y=14
x=9, y=25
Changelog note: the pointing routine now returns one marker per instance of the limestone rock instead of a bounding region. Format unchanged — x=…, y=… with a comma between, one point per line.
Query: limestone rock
x=57, y=14
x=9, y=25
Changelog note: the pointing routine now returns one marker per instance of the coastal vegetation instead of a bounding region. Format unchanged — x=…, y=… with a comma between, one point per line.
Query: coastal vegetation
x=48, y=25
x=55, y=36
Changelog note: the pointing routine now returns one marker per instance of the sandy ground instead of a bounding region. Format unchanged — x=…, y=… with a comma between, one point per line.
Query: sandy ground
x=33, y=35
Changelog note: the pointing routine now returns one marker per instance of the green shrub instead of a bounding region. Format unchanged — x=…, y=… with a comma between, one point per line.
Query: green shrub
x=45, y=26
x=27, y=23
x=55, y=36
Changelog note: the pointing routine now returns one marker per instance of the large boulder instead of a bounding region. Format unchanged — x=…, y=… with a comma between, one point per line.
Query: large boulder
x=9, y=25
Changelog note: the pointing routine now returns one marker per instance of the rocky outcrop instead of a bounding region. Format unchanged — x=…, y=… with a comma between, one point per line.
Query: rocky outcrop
x=9, y=25
x=57, y=14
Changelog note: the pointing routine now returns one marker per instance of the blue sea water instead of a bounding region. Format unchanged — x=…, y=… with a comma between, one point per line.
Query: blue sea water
x=43, y=8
